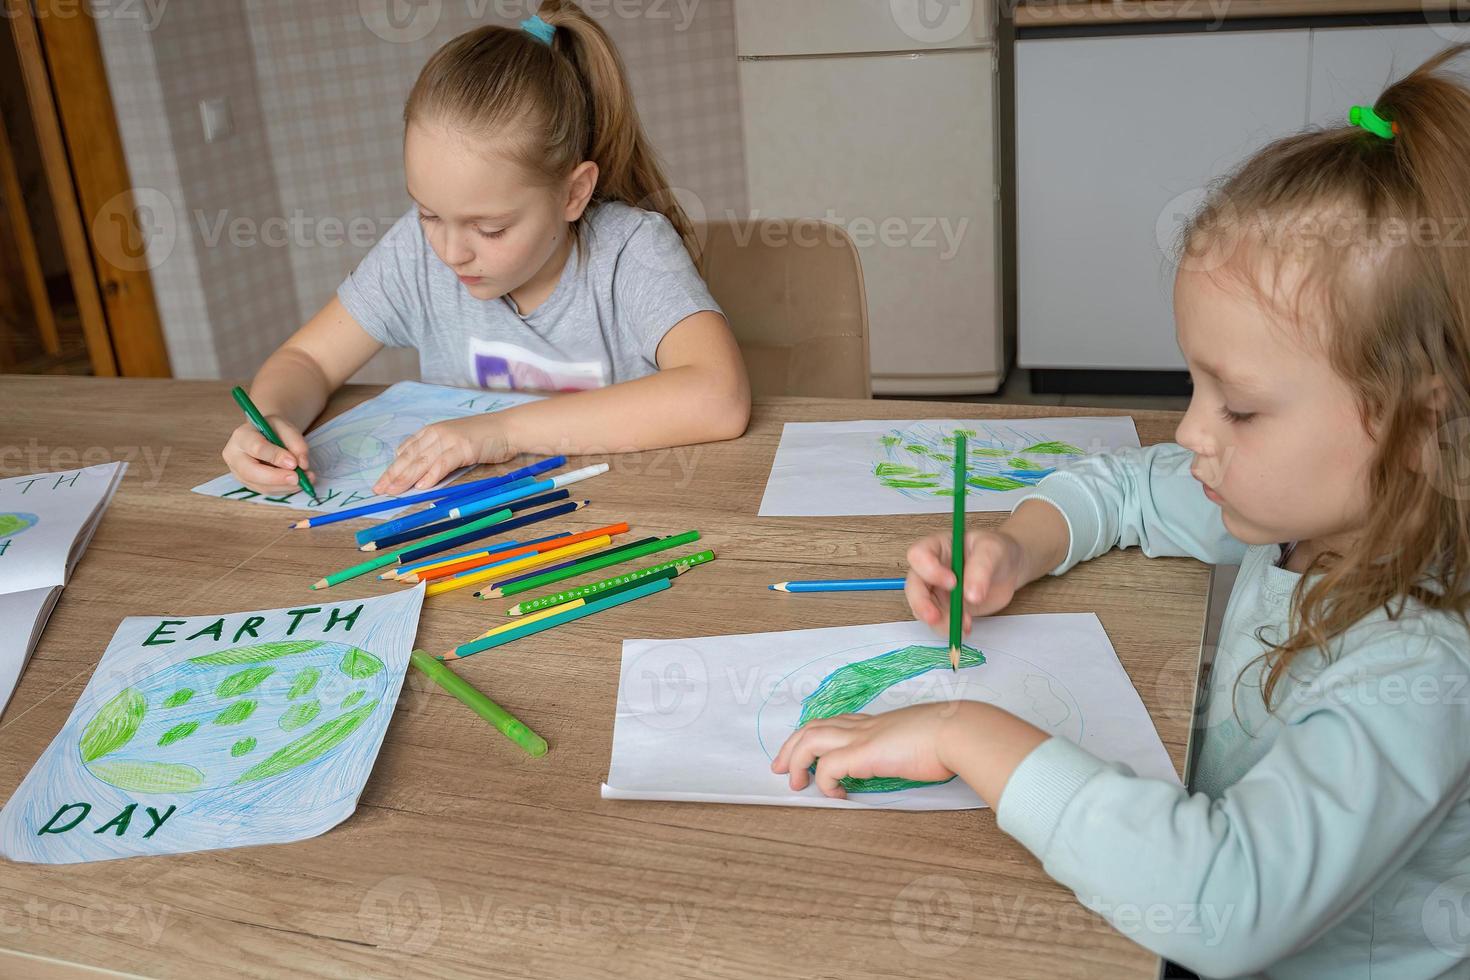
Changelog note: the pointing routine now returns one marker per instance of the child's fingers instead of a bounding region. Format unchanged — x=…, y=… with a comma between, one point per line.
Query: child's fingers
x=256, y=446
x=807, y=746
x=295, y=444
x=831, y=768
x=929, y=559
x=262, y=477
x=922, y=599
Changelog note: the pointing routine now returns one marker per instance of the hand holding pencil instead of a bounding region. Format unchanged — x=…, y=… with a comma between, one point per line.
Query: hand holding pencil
x=998, y=562
x=262, y=465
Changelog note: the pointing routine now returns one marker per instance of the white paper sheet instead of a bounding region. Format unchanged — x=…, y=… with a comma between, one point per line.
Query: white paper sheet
x=351, y=451
x=825, y=469
x=217, y=731
x=46, y=520
x=23, y=616
x=701, y=719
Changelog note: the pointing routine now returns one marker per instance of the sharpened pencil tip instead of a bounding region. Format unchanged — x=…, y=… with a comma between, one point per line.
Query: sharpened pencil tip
x=779, y=587
x=320, y=585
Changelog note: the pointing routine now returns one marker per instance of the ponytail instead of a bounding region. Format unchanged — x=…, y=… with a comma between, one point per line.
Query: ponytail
x=571, y=98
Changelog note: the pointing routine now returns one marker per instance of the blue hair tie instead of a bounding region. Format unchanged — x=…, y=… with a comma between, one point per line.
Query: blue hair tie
x=539, y=29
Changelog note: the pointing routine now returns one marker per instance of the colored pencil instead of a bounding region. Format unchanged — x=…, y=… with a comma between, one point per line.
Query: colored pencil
x=486, y=552
x=550, y=622
x=507, y=627
x=505, y=722
x=452, y=490
x=475, y=564
x=438, y=510
x=529, y=561
x=555, y=483
x=474, y=531
x=413, y=534
x=402, y=570
x=592, y=565
x=263, y=426
x=468, y=506
x=577, y=544
x=553, y=568
x=841, y=585
x=589, y=594
x=585, y=591
x=389, y=557
x=957, y=558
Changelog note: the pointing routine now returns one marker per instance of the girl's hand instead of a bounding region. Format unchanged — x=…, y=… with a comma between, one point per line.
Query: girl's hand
x=904, y=743
x=993, y=569
x=263, y=466
x=435, y=451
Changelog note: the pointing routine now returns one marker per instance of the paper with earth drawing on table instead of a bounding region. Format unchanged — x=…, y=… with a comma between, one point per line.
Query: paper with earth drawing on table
x=828, y=469
x=701, y=719
x=203, y=732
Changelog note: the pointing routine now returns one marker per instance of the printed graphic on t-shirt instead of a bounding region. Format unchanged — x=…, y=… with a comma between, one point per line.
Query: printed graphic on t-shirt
x=497, y=365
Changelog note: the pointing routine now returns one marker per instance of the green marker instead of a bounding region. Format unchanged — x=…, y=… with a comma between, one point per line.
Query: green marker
x=256, y=419
x=389, y=557
x=507, y=723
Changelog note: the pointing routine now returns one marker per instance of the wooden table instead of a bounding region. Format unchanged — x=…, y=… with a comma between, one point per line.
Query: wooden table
x=467, y=858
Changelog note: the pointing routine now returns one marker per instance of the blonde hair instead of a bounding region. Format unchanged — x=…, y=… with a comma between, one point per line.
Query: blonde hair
x=1372, y=232
x=560, y=104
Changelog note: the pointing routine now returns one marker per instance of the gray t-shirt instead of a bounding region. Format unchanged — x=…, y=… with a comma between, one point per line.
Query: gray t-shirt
x=601, y=325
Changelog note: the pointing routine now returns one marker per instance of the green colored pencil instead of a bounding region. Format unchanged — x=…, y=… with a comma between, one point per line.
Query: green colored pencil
x=590, y=565
x=601, y=603
x=617, y=581
x=389, y=557
x=957, y=558
x=264, y=428
x=507, y=723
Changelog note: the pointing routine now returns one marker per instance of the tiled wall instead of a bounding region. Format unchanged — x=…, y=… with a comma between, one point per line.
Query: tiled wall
x=317, y=91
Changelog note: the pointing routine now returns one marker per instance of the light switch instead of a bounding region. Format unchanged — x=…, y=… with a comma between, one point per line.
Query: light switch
x=219, y=121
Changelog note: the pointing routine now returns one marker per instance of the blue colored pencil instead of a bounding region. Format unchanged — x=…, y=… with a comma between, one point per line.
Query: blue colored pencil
x=575, y=561
x=458, y=540
x=437, y=510
x=389, y=540
x=455, y=490
x=841, y=585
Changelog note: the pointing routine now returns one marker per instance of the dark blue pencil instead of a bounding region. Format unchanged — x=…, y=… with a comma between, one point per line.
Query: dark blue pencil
x=391, y=540
x=436, y=510
x=450, y=544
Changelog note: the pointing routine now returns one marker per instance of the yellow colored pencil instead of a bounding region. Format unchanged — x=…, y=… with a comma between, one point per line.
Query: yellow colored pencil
x=394, y=573
x=548, y=611
x=520, y=564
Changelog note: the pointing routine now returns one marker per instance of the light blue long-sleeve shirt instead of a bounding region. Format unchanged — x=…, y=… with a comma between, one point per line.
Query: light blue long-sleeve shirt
x=1330, y=838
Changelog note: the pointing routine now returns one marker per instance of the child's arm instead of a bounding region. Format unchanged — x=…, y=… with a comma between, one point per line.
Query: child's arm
x=1142, y=497
x=290, y=390
x=700, y=394
x=1372, y=757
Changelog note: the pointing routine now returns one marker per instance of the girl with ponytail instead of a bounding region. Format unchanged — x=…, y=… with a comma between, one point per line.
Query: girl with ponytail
x=1322, y=303
x=544, y=251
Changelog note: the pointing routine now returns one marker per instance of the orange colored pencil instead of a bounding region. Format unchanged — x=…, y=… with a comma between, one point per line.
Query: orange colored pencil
x=510, y=568
x=495, y=557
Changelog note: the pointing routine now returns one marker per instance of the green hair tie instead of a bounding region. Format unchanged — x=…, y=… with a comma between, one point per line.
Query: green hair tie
x=1364, y=116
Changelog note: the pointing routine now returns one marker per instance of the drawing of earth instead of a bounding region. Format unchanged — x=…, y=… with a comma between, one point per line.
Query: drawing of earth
x=872, y=680
x=235, y=717
x=12, y=524
x=919, y=461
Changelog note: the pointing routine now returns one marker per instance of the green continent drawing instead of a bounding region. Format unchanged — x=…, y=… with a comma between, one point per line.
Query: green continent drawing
x=919, y=462
x=851, y=688
x=14, y=523
x=238, y=716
